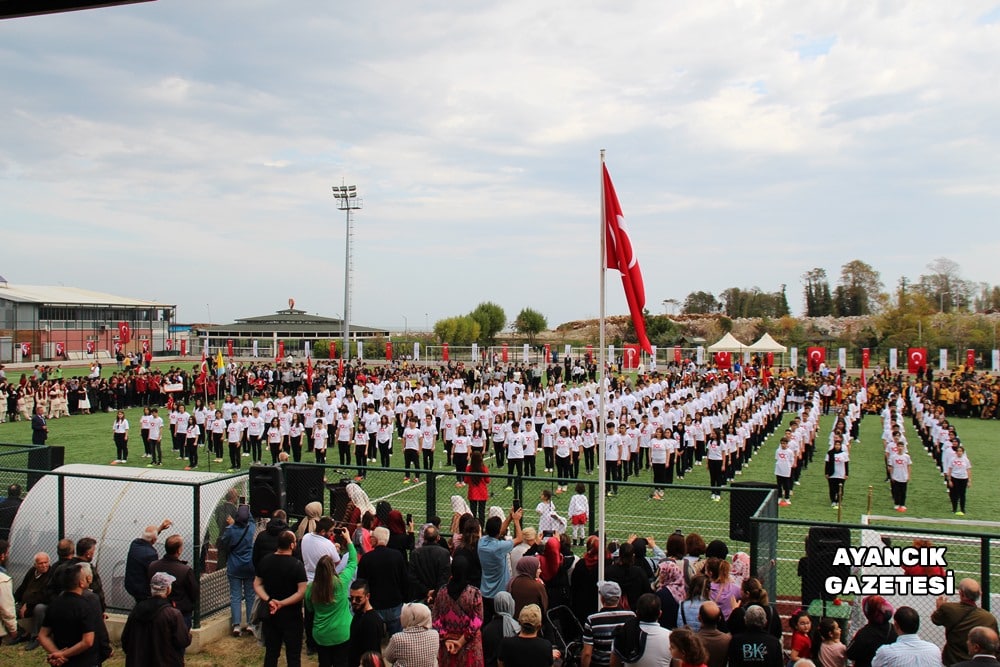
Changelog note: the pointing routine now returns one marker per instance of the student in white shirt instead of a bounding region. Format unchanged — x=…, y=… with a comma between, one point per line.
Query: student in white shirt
x=216, y=425
x=234, y=436
x=783, y=459
x=320, y=434
x=612, y=452
x=959, y=478
x=191, y=445
x=345, y=434
x=837, y=471
x=411, y=450
x=274, y=439
x=155, y=438
x=514, y=445
x=361, y=449
x=296, y=430
x=120, y=432
x=460, y=454
x=899, y=464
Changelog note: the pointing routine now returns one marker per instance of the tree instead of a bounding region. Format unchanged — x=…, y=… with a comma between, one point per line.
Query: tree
x=945, y=286
x=491, y=319
x=817, y=293
x=858, y=291
x=701, y=302
x=530, y=323
x=461, y=330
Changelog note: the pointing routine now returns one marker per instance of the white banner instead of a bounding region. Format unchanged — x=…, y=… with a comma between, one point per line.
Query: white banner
x=700, y=356
x=475, y=352
x=611, y=354
x=416, y=351
x=567, y=351
x=996, y=361
x=308, y=349
x=652, y=359
x=943, y=364
x=255, y=348
x=361, y=351
x=893, y=362
x=842, y=357
x=746, y=357
x=204, y=348
x=793, y=359
x=524, y=353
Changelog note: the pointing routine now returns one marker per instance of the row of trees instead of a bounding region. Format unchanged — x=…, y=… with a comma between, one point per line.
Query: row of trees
x=859, y=291
x=484, y=323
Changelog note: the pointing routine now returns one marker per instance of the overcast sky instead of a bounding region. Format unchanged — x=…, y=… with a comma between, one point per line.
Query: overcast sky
x=184, y=150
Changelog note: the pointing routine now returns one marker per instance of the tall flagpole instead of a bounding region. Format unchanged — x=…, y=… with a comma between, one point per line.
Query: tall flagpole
x=601, y=413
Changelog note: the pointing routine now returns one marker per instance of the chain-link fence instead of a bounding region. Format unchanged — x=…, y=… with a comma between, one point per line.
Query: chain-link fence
x=114, y=508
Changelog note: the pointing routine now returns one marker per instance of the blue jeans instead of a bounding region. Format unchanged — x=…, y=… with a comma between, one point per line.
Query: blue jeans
x=390, y=617
x=240, y=588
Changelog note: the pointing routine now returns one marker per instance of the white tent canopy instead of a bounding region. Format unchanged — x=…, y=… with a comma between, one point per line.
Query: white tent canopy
x=767, y=344
x=728, y=343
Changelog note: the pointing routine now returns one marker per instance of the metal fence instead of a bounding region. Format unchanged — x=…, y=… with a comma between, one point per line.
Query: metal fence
x=80, y=501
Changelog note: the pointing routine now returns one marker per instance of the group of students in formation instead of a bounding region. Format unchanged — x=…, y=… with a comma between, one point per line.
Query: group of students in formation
x=943, y=444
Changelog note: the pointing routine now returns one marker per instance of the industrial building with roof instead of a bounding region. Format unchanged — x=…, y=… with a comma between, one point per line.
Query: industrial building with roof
x=56, y=323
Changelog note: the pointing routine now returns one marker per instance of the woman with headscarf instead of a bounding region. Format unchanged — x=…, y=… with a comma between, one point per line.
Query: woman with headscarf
x=556, y=557
x=526, y=586
x=417, y=645
x=500, y=627
x=670, y=590
x=400, y=535
x=583, y=581
x=875, y=633
x=458, y=618
x=307, y=524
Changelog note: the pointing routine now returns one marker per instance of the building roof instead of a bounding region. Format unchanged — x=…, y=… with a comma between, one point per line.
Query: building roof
x=289, y=322
x=48, y=294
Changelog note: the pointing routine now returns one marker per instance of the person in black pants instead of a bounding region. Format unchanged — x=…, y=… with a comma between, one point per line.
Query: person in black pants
x=281, y=585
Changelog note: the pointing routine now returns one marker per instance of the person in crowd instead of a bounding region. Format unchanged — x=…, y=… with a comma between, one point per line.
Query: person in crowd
x=326, y=602
x=400, y=534
x=877, y=631
x=752, y=593
x=755, y=647
x=831, y=651
x=8, y=510
x=686, y=647
x=493, y=552
x=429, y=566
x=418, y=644
x=142, y=552
x=184, y=589
x=583, y=581
x=458, y=618
x=267, y=540
x=367, y=627
x=642, y=641
x=70, y=633
x=32, y=597
x=722, y=589
x=237, y=543
x=156, y=632
x=715, y=641
x=599, y=629
x=698, y=592
x=527, y=648
x=628, y=574
x=983, y=645
x=958, y=618
x=281, y=584
x=526, y=587
x=385, y=571
x=500, y=627
x=909, y=650
x=8, y=609
x=958, y=476
x=801, y=644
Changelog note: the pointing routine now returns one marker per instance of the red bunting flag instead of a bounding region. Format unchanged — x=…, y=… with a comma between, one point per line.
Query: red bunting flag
x=388, y=350
x=815, y=357
x=229, y=347
x=503, y=353
x=866, y=356
x=970, y=359
x=677, y=354
x=60, y=349
x=621, y=257
x=124, y=332
x=916, y=359
x=184, y=348
x=25, y=349
x=281, y=351
x=145, y=346
x=444, y=352
x=203, y=374
x=91, y=346
x=168, y=343
x=864, y=380
x=723, y=360
x=590, y=354
x=548, y=353
x=632, y=356
x=769, y=359
x=309, y=372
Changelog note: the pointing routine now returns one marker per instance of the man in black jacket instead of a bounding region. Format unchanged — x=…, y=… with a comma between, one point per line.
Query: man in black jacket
x=267, y=541
x=140, y=554
x=155, y=633
x=429, y=567
x=755, y=647
x=184, y=589
x=385, y=571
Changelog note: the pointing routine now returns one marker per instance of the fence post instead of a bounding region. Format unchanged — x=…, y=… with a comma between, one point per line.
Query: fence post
x=592, y=499
x=984, y=571
x=430, y=506
x=61, y=506
x=198, y=563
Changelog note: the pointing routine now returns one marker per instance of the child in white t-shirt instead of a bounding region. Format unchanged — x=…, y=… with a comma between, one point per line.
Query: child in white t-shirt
x=579, y=514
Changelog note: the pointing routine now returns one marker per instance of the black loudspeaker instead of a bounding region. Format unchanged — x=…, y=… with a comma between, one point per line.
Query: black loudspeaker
x=44, y=458
x=822, y=543
x=267, y=491
x=743, y=504
x=303, y=485
x=339, y=500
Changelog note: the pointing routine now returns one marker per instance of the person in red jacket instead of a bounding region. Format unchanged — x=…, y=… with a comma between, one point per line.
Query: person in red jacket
x=478, y=485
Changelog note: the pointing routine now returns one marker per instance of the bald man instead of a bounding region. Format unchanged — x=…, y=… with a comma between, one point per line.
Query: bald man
x=983, y=644
x=958, y=619
x=141, y=553
x=715, y=641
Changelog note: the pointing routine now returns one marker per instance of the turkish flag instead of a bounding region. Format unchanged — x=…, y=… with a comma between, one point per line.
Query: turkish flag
x=60, y=349
x=203, y=374
x=677, y=354
x=90, y=347
x=815, y=356
x=864, y=380
x=184, y=348
x=621, y=256
x=333, y=349
x=118, y=346
x=916, y=359
x=769, y=359
x=309, y=373
x=723, y=360
x=632, y=356
x=229, y=347
x=388, y=351
x=444, y=352
x=124, y=332
x=590, y=354
x=169, y=344
x=503, y=353
x=866, y=356
x=548, y=353
x=281, y=351
x=970, y=359
x=25, y=349
x=340, y=367
x=145, y=346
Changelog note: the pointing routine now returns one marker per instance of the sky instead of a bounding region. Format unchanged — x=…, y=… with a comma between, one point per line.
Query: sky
x=184, y=151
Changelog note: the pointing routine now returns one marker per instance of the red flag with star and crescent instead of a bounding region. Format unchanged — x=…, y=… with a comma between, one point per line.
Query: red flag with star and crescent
x=309, y=372
x=124, y=333
x=815, y=356
x=916, y=359
x=203, y=374
x=620, y=256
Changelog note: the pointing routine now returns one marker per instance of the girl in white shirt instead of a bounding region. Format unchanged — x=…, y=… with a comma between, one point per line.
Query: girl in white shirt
x=274, y=439
x=411, y=450
x=217, y=426
x=658, y=457
x=295, y=432
x=321, y=434
x=562, y=458
x=120, y=432
x=144, y=432
x=360, y=449
x=383, y=439
x=959, y=478
x=460, y=453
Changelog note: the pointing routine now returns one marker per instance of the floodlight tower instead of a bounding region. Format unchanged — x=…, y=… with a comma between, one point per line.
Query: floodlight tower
x=347, y=200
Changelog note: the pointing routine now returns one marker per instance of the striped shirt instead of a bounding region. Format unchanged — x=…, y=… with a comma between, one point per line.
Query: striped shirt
x=599, y=632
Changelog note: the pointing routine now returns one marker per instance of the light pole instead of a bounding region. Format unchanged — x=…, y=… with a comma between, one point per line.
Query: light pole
x=406, y=325
x=347, y=200
x=427, y=322
x=941, y=300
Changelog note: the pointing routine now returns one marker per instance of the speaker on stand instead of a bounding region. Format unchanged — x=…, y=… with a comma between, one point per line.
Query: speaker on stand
x=267, y=491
